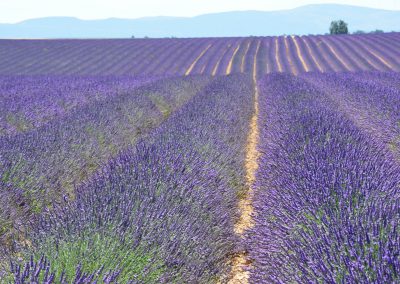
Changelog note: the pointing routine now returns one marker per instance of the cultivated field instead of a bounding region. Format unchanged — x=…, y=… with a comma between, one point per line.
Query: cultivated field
x=207, y=56
x=215, y=160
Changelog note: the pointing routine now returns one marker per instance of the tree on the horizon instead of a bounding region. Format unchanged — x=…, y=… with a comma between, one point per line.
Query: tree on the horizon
x=338, y=28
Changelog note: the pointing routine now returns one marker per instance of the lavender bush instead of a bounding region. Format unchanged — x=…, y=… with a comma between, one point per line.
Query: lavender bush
x=39, y=272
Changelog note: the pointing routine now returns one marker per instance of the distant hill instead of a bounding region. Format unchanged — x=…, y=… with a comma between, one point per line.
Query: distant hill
x=310, y=19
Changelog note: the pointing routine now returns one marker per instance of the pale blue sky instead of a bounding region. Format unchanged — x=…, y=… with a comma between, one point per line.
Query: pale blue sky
x=12, y=11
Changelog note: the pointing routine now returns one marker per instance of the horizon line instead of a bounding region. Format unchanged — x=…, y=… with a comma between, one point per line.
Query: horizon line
x=198, y=15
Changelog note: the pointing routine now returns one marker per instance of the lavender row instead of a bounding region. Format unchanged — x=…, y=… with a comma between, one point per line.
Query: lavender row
x=28, y=102
x=169, y=203
x=40, y=165
x=326, y=197
x=371, y=100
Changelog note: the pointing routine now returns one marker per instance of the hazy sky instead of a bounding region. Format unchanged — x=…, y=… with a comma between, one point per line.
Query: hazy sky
x=12, y=11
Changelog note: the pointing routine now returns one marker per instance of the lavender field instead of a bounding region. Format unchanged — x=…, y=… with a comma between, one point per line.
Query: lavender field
x=212, y=160
x=207, y=56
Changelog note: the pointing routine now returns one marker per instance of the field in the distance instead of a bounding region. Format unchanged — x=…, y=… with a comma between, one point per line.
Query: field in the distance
x=210, y=160
x=207, y=56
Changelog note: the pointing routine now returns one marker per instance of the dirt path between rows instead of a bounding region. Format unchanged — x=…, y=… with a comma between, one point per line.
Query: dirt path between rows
x=241, y=262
